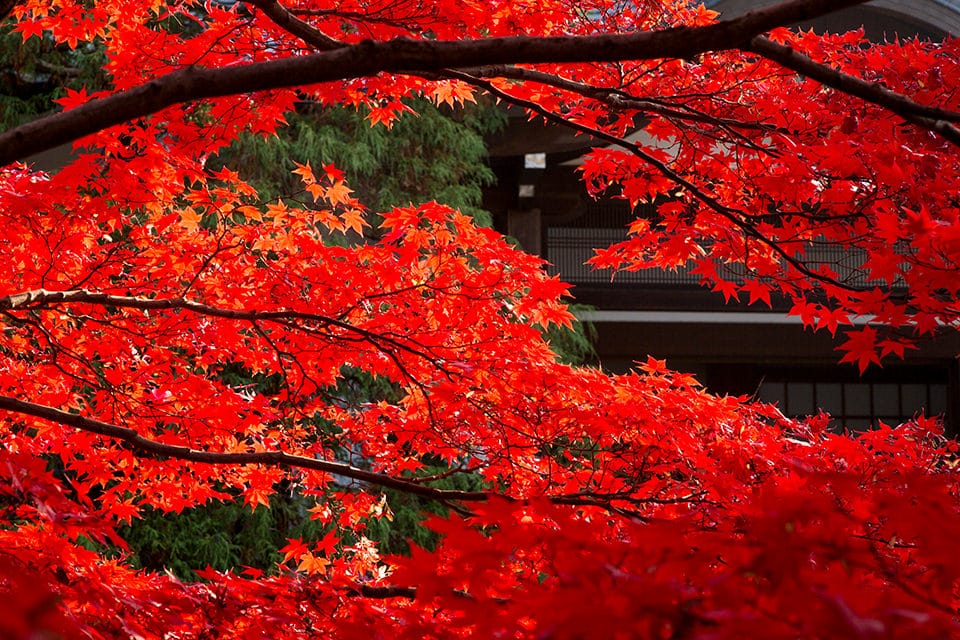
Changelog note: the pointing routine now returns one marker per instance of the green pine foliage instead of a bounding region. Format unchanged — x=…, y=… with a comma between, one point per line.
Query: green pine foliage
x=222, y=535
x=573, y=345
x=36, y=72
x=435, y=154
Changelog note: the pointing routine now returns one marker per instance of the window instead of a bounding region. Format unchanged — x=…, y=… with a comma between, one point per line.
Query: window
x=857, y=405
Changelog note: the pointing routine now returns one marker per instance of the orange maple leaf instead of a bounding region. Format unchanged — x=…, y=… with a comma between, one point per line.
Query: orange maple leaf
x=353, y=219
x=305, y=172
x=190, y=219
x=312, y=564
x=255, y=496
x=338, y=193
x=316, y=190
x=453, y=93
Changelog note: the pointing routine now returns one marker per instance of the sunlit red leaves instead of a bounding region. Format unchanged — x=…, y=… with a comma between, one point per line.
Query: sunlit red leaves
x=788, y=536
x=860, y=347
x=680, y=513
x=453, y=93
x=758, y=291
x=160, y=371
x=385, y=112
x=305, y=560
x=857, y=188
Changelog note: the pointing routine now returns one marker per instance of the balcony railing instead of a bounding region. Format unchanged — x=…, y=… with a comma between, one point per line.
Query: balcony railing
x=569, y=248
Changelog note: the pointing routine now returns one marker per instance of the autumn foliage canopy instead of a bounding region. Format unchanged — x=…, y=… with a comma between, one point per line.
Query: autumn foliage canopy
x=139, y=284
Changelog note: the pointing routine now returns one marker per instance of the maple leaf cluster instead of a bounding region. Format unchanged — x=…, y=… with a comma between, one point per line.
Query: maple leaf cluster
x=169, y=338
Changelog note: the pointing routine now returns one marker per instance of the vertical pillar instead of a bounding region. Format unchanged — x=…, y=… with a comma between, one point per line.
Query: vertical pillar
x=525, y=225
x=951, y=419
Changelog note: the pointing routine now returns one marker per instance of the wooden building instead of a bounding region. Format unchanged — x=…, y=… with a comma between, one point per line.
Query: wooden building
x=734, y=348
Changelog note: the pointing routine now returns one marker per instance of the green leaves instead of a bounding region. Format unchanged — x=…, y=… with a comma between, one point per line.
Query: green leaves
x=431, y=153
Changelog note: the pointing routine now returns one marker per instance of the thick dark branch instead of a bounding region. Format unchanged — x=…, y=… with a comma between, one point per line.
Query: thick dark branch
x=370, y=58
x=146, y=447
x=142, y=446
x=931, y=118
x=369, y=591
x=295, y=26
x=385, y=592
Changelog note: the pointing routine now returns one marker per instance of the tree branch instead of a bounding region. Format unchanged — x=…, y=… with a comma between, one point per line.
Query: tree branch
x=736, y=216
x=612, y=97
x=369, y=58
x=933, y=119
x=43, y=298
x=295, y=26
x=142, y=446
x=384, y=592
x=146, y=447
